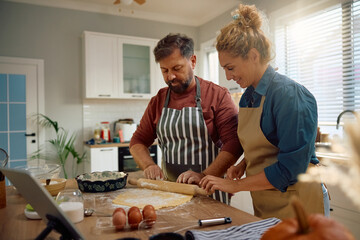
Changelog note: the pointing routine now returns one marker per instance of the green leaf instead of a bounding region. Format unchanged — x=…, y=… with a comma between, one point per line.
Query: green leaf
x=29, y=208
x=60, y=147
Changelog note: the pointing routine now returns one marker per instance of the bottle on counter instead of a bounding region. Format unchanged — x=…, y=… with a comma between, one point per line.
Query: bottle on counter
x=105, y=131
x=97, y=132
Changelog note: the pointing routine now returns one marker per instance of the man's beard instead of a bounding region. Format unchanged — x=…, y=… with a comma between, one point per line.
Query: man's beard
x=182, y=86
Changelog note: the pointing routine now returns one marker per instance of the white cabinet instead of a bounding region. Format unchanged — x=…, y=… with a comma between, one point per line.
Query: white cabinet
x=119, y=67
x=102, y=159
x=101, y=66
x=344, y=210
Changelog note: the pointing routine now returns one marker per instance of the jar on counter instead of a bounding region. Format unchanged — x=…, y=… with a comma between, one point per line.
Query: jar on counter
x=105, y=131
x=97, y=132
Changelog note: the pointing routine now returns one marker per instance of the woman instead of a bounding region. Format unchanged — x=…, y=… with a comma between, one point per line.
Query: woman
x=277, y=124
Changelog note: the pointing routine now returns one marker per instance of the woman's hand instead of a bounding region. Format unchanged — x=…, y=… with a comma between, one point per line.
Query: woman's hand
x=236, y=172
x=190, y=177
x=153, y=172
x=212, y=183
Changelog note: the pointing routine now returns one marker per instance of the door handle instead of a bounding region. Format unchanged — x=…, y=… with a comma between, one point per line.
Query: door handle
x=30, y=134
x=106, y=150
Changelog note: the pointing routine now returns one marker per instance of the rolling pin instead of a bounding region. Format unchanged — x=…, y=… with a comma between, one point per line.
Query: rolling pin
x=189, y=189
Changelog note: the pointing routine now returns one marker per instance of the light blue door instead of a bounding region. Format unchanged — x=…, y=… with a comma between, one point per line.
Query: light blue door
x=13, y=118
x=21, y=96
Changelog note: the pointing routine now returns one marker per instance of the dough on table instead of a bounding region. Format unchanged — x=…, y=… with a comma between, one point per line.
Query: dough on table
x=140, y=197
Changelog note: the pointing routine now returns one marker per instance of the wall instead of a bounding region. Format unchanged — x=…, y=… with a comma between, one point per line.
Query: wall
x=96, y=111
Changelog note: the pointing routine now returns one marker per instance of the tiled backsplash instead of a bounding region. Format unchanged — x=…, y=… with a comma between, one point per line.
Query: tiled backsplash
x=96, y=111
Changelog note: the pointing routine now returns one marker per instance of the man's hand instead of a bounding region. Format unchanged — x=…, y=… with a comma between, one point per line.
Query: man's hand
x=153, y=172
x=236, y=172
x=190, y=177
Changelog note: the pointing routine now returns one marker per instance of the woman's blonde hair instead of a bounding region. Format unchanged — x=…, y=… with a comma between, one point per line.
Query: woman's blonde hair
x=244, y=33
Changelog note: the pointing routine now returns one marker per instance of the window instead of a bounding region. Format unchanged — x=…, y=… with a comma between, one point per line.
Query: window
x=322, y=52
x=212, y=65
x=210, y=61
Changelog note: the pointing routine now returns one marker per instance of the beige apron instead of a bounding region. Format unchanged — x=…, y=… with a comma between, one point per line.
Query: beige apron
x=260, y=153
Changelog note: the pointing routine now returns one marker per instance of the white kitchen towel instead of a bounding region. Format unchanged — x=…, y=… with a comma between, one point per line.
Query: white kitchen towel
x=249, y=231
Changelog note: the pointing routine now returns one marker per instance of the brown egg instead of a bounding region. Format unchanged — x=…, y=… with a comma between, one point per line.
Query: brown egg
x=149, y=216
x=148, y=212
x=134, y=208
x=119, y=209
x=119, y=220
x=134, y=218
x=148, y=207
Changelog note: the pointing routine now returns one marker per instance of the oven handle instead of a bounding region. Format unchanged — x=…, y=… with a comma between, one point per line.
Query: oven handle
x=130, y=156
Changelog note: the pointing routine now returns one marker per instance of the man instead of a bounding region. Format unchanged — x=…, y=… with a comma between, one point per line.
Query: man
x=194, y=120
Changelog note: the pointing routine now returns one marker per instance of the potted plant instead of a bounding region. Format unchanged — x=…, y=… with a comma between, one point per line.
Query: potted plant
x=60, y=148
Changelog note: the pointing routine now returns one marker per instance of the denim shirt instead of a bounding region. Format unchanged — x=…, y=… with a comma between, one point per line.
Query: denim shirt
x=288, y=121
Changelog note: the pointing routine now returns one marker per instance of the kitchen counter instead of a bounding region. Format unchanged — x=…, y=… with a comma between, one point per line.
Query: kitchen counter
x=14, y=224
x=112, y=144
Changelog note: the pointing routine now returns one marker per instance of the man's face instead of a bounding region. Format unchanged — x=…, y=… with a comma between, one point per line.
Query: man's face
x=178, y=71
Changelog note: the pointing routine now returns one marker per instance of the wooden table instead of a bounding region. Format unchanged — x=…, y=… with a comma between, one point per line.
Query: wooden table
x=14, y=224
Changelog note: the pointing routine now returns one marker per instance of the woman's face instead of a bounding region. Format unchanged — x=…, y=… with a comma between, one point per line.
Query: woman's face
x=242, y=71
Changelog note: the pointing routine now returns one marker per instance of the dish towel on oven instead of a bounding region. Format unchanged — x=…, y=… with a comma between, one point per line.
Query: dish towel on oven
x=249, y=231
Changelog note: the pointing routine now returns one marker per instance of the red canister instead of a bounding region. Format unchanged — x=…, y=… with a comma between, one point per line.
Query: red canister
x=105, y=131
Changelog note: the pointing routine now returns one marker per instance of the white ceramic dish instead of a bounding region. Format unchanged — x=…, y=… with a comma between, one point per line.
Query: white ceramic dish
x=31, y=214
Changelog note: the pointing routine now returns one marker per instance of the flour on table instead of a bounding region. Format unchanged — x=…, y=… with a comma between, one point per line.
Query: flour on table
x=140, y=197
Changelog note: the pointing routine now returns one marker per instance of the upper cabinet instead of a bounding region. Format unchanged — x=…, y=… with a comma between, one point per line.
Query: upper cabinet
x=119, y=67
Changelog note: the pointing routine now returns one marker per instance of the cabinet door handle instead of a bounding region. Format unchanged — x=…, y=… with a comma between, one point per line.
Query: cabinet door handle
x=30, y=134
x=128, y=157
x=152, y=154
x=103, y=150
x=137, y=96
x=104, y=95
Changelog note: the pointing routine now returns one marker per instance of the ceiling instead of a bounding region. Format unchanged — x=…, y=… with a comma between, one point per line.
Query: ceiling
x=184, y=12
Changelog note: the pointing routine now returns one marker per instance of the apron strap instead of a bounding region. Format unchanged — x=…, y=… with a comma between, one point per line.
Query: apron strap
x=198, y=94
x=167, y=98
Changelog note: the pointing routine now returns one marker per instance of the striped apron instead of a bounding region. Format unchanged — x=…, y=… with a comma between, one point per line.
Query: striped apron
x=260, y=153
x=185, y=142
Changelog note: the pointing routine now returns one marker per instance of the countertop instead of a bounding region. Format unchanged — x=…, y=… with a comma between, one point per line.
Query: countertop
x=112, y=144
x=14, y=224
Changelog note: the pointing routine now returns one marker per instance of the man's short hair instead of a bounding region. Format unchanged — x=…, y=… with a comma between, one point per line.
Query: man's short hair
x=166, y=46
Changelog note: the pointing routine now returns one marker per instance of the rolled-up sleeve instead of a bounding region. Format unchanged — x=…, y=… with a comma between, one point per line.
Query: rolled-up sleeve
x=146, y=132
x=226, y=120
x=294, y=113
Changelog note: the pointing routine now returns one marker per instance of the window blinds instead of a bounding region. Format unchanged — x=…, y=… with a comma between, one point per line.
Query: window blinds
x=322, y=52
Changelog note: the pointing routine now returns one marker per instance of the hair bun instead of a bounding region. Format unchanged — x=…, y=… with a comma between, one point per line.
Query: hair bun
x=247, y=16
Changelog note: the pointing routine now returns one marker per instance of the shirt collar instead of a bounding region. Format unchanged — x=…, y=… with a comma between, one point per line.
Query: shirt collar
x=265, y=81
